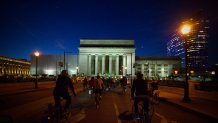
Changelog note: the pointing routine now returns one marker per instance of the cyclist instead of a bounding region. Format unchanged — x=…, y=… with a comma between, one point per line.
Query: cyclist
x=123, y=83
x=139, y=88
x=154, y=90
x=63, y=82
x=85, y=83
x=91, y=85
x=154, y=85
x=99, y=84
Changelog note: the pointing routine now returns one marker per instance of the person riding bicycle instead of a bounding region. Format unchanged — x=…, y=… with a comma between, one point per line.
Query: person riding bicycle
x=154, y=85
x=123, y=83
x=99, y=85
x=63, y=82
x=139, y=88
x=91, y=84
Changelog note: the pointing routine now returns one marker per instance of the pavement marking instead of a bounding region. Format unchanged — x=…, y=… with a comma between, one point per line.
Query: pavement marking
x=163, y=119
x=117, y=113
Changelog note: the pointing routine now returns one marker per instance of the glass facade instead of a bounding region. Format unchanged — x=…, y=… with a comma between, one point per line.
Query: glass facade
x=197, y=43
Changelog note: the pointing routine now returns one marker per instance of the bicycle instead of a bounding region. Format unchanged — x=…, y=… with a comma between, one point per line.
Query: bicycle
x=143, y=116
x=155, y=96
x=123, y=89
x=97, y=98
x=55, y=115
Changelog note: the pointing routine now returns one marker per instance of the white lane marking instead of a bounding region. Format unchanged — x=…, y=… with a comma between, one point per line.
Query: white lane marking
x=117, y=113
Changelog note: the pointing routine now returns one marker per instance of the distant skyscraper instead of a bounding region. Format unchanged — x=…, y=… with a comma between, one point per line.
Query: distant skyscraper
x=175, y=47
x=197, y=43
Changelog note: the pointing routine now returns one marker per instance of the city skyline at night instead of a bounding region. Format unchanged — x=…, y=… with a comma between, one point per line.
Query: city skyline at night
x=197, y=42
x=53, y=27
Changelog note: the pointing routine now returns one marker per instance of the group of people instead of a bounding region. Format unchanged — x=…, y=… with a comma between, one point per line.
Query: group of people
x=64, y=82
x=139, y=87
x=96, y=85
x=107, y=82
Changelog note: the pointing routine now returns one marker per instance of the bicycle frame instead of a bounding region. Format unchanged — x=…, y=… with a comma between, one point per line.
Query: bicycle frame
x=97, y=100
x=144, y=117
x=55, y=114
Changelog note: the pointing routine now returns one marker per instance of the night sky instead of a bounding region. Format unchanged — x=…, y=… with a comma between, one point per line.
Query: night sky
x=55, y=26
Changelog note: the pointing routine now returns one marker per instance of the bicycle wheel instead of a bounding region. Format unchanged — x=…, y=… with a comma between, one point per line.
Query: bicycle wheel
x=150, y=112
x=142, y=115
x=57, y=115
x=156, y=97
x=97, y=101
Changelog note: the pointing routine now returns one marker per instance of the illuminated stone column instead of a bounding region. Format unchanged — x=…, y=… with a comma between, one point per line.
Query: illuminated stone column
x=96, y=65
x=103, y=64
x=133, y=62
x=142, y=70
x=124, y=65
x=149, y=71
x=89, y=64
x=110, y=64
x=162, y=70
x=117, y=65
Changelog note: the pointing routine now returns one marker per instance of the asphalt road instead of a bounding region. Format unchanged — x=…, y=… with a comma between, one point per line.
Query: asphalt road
x=115, y=107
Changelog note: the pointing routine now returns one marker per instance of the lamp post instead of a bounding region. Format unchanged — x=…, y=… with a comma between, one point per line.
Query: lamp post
x=77, y=70
x=185, y=30
x=36, y=55
x=66, y=66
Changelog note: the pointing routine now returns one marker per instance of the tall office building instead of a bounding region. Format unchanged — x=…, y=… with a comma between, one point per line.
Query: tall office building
x=175, y=47
x=197, y=43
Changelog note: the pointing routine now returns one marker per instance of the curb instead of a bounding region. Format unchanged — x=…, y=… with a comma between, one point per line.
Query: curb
x=201, y=114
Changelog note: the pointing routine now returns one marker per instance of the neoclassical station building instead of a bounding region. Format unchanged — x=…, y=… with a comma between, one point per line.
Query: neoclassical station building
x=106, y=57
x=14, y=67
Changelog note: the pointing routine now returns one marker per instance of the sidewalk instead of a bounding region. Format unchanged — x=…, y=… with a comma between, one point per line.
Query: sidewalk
x=199, y=104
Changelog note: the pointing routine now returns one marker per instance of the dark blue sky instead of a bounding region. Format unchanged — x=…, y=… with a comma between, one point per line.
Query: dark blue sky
x=55, y=26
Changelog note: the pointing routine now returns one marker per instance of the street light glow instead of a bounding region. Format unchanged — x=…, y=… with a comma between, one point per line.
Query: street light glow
x=185, y=29
x=37, y=53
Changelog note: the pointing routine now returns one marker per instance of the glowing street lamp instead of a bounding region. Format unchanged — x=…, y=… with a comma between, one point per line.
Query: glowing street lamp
x=36, y=55
x=176, y=72
x=66, y=66
x=185, y=30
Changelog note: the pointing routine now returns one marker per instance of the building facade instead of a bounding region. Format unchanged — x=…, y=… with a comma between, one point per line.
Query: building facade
x=109, y=58
x=175, y=47
x=106, y=57
x=54, y=64
x=157, y=67
x=197, y=43
x=14, y=67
